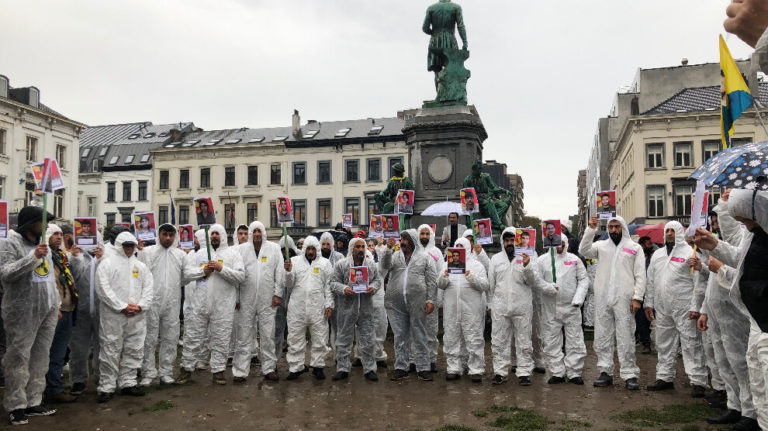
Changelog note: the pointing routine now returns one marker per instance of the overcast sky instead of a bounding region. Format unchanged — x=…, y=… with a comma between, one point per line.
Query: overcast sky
x=543, y=72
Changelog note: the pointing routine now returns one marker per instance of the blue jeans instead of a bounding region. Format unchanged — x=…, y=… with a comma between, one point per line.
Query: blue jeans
x=53, y=383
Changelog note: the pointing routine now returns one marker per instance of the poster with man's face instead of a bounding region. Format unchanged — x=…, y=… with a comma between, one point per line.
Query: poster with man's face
x=204, y=212
x=3, y=220
x=525, y=242
x=376, y=228
x=404, y=202
x=550, y=233
x=483, y=234
x=469, y=202
x=704, y=207
x=85, y=232
x=47, y=175
x=457, y=260
x=284, y=210
x=391, y=226
x=145, y=226
x=358, y=278
x=186, y=237
x=346, y=220
x=606, y=204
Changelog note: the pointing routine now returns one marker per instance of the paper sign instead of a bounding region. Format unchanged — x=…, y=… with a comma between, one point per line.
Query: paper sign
x=205, y=212
x=391, y=226
x=699, y=207
x=284, y=210
x=525, y=242
x=346, y=220
x=47, y=175
x=186, y=237
x=457, y=260
x=358, y=278
x=144, y=223
x=483, y=233
x=550, y=233
x=469, y=202
x=376, y=226
x=85, y=232
x=3, y=219
x=404, y=202
x=606, y=204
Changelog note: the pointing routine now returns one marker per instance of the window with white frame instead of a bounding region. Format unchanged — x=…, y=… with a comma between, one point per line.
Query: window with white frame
x=655, y=201
x=31, y=152
x=683, y=155
x=655, y=156
x=683, y=199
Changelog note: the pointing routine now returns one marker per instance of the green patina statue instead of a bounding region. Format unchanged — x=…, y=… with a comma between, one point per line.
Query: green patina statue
x=445, y=58
x=385, y=200
x=494, y=200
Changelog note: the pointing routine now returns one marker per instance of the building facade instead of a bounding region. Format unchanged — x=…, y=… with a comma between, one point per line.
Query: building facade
x=29, y=132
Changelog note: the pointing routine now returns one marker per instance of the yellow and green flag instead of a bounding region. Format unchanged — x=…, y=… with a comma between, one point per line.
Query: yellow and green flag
x=734, y=94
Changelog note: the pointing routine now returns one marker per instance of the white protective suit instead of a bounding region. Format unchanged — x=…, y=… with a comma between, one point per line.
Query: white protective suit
x=213, y=303
x=464, y=314
x=380, y=318
x=167, y=267
x=30, y=312
x=334, y=257
x=619, y=279
x=356, y=311
x=412, y=285
x=561, y=311
x=85, y=333
x=669, y=291
x=309, y=284
x=733, y=253
x=433, y=319
x=204, y=353
x=589, y=302
x=263, y=280
x=122, y=280
x=511, y=285
x=281, y=312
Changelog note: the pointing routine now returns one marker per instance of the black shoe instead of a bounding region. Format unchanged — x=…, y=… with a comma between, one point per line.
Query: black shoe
x=524, y=380
x=381, y=364
x=39, y=410
x=412, y=368
x=103, y=397
x=476, y=378
x=18, y=417
x=730, y=417
x=77, y=389
x=661, y=385
x=399, y=375
x=513, y=369
x=318, y=373
x=425, y=376
x=698, y=391
x=219, y=378
x=133, y=391
x=357, y=363
x=631, y=384
x=371, y=375
x=576, y=380
x=603, y=381
x=340, y=375
x=716, y=398
x=746, y=424
x=539, y=370
x=237, y=380
x=255, y=361
x=433, y=367
x=449, y=377
x=498, y=379
x=229, y=362
x=294, y=376
x=555, y=380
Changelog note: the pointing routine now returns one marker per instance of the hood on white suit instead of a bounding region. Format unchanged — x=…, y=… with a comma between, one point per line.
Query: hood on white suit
x=431, y=235
x=352, y=242
x=50, y=231
x=253, y=227
x=326, y=237
x=222, y=234
x=624, y=227
x=310, y=241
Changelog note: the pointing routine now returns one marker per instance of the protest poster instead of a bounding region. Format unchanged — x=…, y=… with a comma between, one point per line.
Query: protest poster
x=391, y=226
x=376, y=227
x=205, y=212
x=483, y=233
x=186, y=237
x=85, y=232
x=284, y=210
x=404, y=202
x=457, y=260
x=346, y=220
x=144, y=223
x=525, y=242
x=469, y=202
x=3, y=219
x=358, y=278
x=550, y=233
x=606, y=204
x=47, y=175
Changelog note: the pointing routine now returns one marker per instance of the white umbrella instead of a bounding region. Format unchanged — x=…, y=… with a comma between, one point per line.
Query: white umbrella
x=442, y=209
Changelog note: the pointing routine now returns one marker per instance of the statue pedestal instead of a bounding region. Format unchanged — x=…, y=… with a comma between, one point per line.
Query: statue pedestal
x=442, y=144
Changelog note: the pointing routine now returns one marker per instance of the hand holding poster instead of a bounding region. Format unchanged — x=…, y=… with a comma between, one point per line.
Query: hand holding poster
x=346, y=220
x=525, y=242
x=47, y=175
x=186, y=237
x=204, y=211
x=376, y=228
x=358, y=279
x=483, y=234
x=550, y=233
x=284, y=210
x=606, y=204
x=391, y=226
x=85, y=232
x=3, y=219
x=145, y=226
x=457, y=260
x=404, y=202
x=469, y=202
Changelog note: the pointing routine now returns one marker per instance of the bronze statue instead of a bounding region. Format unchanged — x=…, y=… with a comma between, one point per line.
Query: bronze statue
x=444, y=57
x=494, y=200
x=385, y=200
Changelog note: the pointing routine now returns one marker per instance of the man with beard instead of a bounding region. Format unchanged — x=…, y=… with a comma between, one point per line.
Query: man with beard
x=619, y=290
x=427, y=240
x=328, y=251
x=410, y=297
x=355, y=310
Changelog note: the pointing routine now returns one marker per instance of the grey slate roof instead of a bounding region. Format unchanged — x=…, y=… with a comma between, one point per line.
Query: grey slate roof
x=698, y=99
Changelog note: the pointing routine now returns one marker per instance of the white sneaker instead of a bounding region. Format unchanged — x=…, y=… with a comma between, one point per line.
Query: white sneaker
x=166, y=380
x=145, y=382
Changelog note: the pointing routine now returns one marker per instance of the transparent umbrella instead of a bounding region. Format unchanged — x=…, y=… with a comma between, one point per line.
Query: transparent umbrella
x=442, y=209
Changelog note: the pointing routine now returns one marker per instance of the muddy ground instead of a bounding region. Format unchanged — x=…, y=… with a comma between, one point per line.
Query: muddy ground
x=385, y=405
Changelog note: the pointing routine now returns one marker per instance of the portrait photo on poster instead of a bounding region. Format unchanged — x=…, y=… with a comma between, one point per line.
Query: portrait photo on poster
x=469, y=202
x=4, y=219
x=204, y=212
x=358, y=278
x=186, y=237
x=550, y=233
x=85, y=229
x=404, y=202
x=376, y=226
x=606, y=204
x=457, y=260
x=47, y=175
x=144, y=223
x=391, y=226
x=346, y=220
x=483, y=233
x=284, y=209
x=525, y=242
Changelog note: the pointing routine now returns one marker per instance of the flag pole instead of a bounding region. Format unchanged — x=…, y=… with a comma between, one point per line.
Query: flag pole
x=207, y=242
x=45, y=217
x=285, y=242
x=554, y=273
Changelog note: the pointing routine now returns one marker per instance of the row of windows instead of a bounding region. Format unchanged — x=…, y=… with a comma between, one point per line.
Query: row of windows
x=298, y=175
x=126, y=189
x=683, y=152
x=682, y=199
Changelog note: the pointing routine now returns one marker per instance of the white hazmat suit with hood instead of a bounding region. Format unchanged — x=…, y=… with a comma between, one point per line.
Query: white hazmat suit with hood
x=281, y=311
x=433, y=319
x=213, y=303
x=310, y=289
x=464, y=314
x=561, y=311
x=619, y=279
x=263, y=279
x=122, y=280
x=669, y=291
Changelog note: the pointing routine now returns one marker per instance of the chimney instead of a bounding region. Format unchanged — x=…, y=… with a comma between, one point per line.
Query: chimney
x=684, y=62
x=175, y=134
x=296, y=122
